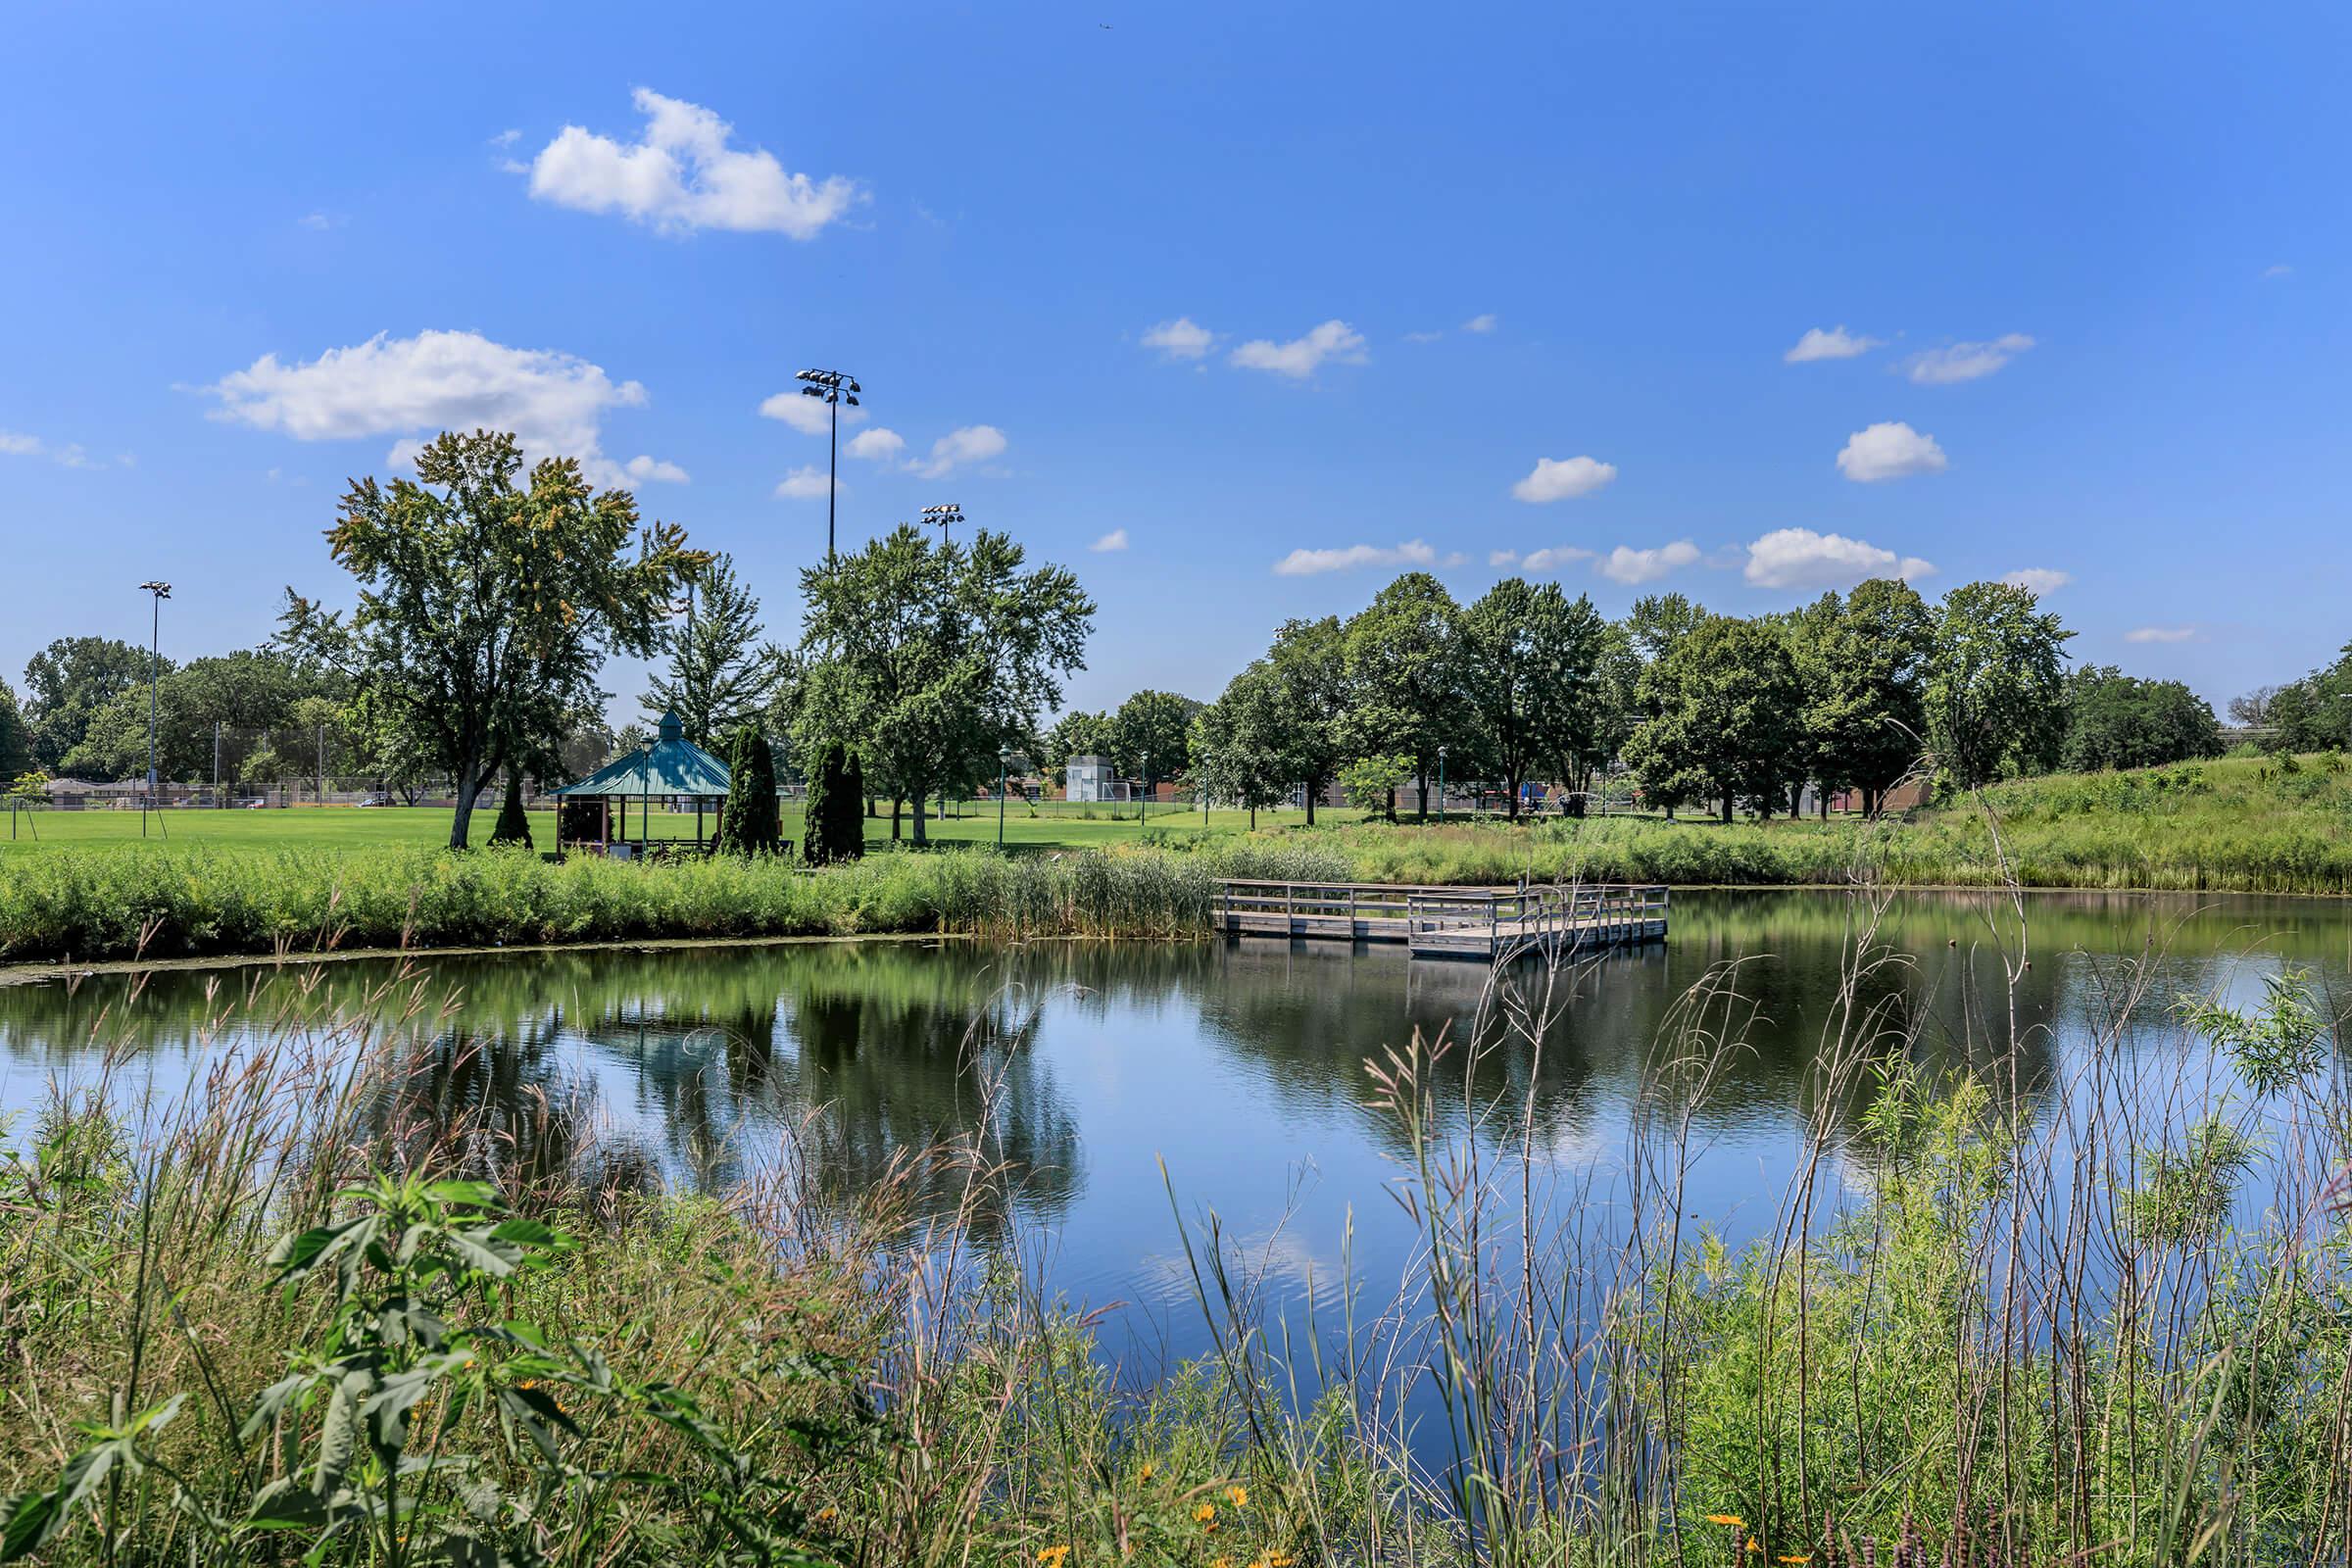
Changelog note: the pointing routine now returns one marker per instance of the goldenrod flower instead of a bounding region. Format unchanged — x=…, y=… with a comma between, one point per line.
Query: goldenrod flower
x=1238, y=1497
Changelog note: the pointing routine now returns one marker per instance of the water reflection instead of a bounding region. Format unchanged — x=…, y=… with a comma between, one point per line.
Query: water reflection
x=1240, y=1065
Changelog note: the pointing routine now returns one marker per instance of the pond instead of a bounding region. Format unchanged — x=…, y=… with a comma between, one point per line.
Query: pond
x=1128, y=1084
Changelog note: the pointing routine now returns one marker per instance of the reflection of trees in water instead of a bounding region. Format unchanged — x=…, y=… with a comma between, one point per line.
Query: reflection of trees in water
x=908, y=1049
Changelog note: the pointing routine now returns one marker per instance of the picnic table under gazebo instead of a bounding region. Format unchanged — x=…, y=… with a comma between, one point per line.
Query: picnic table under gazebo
x=594, y=813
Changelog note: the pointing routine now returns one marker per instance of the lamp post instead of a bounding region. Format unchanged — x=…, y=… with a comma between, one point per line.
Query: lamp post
x=155, y=658
x=1441, y=784
x=1145, y=808
x=942, y=516
x=833, y=388
x=1003, y=762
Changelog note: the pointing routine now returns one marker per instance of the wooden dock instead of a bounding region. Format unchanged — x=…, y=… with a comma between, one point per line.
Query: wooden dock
x=1440, y=923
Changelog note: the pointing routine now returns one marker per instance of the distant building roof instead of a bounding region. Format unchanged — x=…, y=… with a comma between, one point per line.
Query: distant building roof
x=670, y=765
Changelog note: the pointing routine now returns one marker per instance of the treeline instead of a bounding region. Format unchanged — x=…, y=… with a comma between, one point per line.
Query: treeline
x=2311, y=715
x=1852, y=693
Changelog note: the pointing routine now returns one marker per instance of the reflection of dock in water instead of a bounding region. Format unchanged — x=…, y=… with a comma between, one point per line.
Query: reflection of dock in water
x=1445, y=923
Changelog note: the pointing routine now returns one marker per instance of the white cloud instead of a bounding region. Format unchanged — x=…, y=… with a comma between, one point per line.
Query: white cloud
x=1965, y=362
x=2038, y=580
x=507, y=138
x=2163, y=634
x=1800, y=558
x=1309, y=562
x=1480, y=324
x=1558, y=479
x=410, y=388
x=878, y=445
x=654, y=470
x=1423, y=337
x=321, y=221
x=2277, y=270
x=17, y=444
x=1891, y=450
x=974, y=443
x=1116, y=539
x=1554, y=557
x=682, y=175
x=806, y=483
x=1836, y=343
x=806, y=415
x=1629, y=565
x=1181, y=339
x=1334, y=340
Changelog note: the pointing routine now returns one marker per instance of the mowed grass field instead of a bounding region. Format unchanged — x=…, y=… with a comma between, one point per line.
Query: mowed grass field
x=1052, y=825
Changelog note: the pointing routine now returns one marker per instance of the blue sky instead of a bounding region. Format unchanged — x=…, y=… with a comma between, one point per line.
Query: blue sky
x=1371, y=284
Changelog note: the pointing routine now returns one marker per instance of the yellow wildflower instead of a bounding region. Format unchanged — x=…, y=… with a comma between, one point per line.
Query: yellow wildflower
x=1052, y=1556
x=1751, y=1544
x=1238, y=1497
x=1204, y=1513
x=1731, y=1519
x=1144, y=1474
x=823, y=1514
x=1807, y=1557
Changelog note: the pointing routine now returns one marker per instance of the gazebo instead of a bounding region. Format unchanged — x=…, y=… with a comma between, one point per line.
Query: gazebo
x=667, y=767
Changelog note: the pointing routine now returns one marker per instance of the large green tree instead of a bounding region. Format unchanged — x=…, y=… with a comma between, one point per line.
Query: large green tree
x=16, y=737
x=1077, y=733
x=69, y=682
x=1309, y=665
x=1155, y=725
x=749, y=820
x=1238, y=742
x=1530, y=660
x=926, y=658
x=486, y=606
x=1727, y=716
x=1996, y=685
x=2119, y=720
x=1404, y=690
x=723, y=670
x=223, y=706
x=1863, y=660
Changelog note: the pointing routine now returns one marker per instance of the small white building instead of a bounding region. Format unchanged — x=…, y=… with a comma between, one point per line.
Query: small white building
x=1089, y=778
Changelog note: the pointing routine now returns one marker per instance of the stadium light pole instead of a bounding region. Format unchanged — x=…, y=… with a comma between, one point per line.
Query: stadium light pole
x=1144, y=810
x=942, y=516
x=833, y=388
x=1003, y=762
x=1441, y=784
x=155, y=657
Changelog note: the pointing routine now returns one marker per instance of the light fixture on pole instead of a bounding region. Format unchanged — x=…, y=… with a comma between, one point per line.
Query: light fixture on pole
x=833, y=388
x=1441, y=783
x=155, y=658
x=942, y=516
x=1144, y=810
x=1003, y=762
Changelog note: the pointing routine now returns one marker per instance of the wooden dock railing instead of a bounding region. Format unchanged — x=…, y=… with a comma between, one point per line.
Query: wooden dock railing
x=1465, y=921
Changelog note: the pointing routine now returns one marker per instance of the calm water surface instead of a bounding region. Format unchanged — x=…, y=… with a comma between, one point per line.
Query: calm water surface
x=1238, y=1064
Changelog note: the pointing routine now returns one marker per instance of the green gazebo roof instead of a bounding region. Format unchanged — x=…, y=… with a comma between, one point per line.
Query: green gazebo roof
x=671, y=765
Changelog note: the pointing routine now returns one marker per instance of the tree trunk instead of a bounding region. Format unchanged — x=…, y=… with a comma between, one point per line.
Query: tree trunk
x=1252, y=817
x=461, y=822
x=920, y=839
x=1796, y=801
x=1515, y=808
x=1310, y=802
x=896, y=803
x=1727, y=808
x=1421, y=785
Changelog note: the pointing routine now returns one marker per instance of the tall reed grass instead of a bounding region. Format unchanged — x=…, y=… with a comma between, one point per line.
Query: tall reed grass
x=186, y=903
